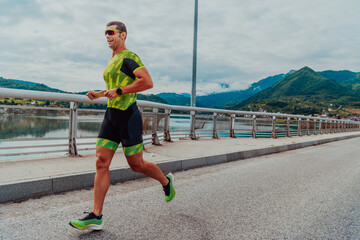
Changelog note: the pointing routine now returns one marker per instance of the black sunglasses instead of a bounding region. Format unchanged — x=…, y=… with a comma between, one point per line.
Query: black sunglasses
x=111, y=31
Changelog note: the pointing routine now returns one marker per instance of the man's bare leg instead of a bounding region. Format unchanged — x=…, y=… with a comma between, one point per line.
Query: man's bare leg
x=102, y=177
x=138, y=164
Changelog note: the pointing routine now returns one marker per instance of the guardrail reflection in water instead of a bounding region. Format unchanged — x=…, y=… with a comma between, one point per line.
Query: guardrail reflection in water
x=160, y=124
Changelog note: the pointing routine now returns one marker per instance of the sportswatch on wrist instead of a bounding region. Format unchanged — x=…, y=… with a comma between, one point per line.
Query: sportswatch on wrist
x=119, y=91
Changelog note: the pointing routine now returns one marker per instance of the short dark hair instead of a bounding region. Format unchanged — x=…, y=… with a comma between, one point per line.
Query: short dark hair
x=119, y=26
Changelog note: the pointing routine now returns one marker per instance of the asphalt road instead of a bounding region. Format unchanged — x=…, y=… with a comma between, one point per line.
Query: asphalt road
x=310, y=193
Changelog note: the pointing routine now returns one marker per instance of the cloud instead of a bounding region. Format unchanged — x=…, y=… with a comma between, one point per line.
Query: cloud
x=62, y=44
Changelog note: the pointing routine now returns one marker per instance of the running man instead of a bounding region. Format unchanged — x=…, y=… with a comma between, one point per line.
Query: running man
x=125, y=75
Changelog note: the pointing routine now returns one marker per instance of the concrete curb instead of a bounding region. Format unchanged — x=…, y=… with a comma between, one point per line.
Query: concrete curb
x=22, y=190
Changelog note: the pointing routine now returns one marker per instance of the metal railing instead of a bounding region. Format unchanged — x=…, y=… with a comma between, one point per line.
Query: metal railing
x=203, y=122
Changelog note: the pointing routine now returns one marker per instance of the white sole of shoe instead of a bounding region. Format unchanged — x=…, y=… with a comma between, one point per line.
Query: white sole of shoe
x=95, y=226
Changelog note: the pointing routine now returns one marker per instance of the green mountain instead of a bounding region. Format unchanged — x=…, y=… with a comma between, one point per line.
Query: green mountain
x=18, y=84
x=345, y=78
x=303, y=82
x=341, y=77
x=151, y=98
x=181, y=99
x=175, y=99
x=303, y=92
x=225, y=98
x=24, y=82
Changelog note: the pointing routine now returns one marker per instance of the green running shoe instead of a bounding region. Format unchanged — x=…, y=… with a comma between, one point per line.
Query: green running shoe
x=91, y=221
x=169, y=189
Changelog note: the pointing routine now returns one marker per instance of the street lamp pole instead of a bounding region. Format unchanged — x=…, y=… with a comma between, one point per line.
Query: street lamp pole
x=193, y=88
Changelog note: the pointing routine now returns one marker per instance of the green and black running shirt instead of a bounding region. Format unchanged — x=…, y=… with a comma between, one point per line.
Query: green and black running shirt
x=119, y=73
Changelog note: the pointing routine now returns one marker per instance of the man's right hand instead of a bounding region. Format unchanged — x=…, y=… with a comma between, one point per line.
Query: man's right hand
x=93, y=95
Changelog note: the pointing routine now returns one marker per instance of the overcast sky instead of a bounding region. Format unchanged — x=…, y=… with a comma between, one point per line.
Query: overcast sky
x=62, y=43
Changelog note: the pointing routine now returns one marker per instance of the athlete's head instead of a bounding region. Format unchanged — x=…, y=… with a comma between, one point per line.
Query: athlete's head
x=115, y=34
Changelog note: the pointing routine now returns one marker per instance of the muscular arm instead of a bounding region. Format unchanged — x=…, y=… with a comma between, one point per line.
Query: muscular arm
x=143, y=83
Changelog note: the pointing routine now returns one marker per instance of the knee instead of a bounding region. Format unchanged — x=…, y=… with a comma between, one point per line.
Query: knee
x=102, y=163
x=136, y=167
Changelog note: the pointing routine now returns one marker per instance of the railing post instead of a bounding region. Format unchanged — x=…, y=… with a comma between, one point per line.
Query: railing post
x=215, y=135
x=320, y=126
x=232, y=126
x=345, y=126
x=274, y=135
x=155, y=139
x=299, y=126
x=335, y=126
x=167, y=136
x=192, y=125
x=288, y=134
x=342, y=126
x=307, y=127
x=326, y=126
x=315, y=122
x=72, y=129
x=253, y=131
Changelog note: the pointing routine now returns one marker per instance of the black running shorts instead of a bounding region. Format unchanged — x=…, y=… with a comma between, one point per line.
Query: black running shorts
x=122, y=126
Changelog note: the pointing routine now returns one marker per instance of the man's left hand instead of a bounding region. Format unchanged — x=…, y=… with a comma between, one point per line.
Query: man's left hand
x=111, y=94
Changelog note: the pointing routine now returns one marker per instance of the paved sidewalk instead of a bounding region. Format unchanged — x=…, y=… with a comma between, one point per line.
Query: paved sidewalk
x=22, y=179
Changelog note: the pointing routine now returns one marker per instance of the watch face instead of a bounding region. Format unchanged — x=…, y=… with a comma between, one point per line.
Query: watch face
x=119, y=91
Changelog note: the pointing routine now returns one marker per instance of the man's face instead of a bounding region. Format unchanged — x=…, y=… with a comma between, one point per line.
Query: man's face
x=113, y=40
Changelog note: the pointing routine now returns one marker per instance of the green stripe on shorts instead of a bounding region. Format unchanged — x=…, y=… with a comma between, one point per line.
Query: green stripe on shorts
x=128, y=151
x=101, y=142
